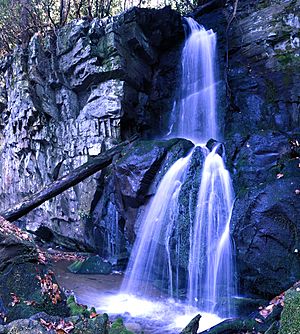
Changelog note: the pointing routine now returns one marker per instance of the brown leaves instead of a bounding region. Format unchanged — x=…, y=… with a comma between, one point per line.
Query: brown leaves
x=65, y=256
x=30, y=302
x=49, y=288
x=64, y=327
x=15, y=299
x=41, y=257
x=93, y=315
x=265, y=311
x=278, y=300
x=61, y=327
x=8, y=228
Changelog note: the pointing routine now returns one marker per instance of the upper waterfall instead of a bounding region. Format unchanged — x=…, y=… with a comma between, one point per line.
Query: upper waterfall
x=195, y=107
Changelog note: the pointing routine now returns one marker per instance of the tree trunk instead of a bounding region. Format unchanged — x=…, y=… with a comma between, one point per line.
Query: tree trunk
x=24, y=22
x=57, y=187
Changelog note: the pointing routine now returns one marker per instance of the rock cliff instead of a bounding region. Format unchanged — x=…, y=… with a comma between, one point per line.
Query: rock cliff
x=262, y=129
x=76, y=92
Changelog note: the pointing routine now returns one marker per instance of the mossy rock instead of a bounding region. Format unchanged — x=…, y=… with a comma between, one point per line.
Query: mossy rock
x=290, y=317
x=24, y=326
x=78, y=309
x=118, y=328
x=91, y=326
x=92, y=265
x=22, y=281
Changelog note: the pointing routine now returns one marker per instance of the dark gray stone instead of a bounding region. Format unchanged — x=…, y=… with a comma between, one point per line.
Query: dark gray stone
x=266, y=230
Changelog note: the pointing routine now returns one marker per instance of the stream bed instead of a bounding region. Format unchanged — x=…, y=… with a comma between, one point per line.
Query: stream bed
x=149, y=316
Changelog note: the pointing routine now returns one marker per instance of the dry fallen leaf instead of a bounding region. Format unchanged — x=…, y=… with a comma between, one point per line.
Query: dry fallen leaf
x=29, y=302
x=50, y=288
x=15, y=299
x=93, y=315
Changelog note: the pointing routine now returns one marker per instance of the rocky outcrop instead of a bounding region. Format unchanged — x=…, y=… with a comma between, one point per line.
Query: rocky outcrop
x=264, y=50
x=262, y=132
x=75, y=93
x=125, y=188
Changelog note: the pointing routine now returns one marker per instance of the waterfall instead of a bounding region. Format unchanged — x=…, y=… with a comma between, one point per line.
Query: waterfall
x=210, y=266
x=211, y=282
x=196, y=106
x=150, y=256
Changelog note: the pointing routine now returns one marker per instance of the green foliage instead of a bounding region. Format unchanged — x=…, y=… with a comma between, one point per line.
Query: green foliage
x=290, y=317
x=78, y=309
x=19, y=20
x=118, y=328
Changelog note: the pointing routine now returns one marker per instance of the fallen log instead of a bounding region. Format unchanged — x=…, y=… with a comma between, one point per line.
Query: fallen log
x=55, y=188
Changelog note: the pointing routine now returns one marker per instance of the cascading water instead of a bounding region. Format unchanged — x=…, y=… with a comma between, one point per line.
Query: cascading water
x=210, y=266
x=211, y=282
x=150, y=257
x=196, y=106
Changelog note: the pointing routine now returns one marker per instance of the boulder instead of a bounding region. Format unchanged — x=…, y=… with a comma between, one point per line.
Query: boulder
x=27, y=286
x=264, y=219
x=266, y=229
x=124, y=188
x=25, y=326
x=136, y=170
x=192, y=327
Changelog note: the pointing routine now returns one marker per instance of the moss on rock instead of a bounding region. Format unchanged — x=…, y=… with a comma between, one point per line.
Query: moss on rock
x=118, y=328
x=290, y=317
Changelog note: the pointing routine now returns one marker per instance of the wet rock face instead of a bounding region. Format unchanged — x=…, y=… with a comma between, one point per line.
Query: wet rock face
x=262, y=131
x=264, y=50
x=68, y=97
x=265, y=215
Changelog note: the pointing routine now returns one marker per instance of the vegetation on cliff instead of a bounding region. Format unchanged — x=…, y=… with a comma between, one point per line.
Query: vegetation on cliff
x=19, y=20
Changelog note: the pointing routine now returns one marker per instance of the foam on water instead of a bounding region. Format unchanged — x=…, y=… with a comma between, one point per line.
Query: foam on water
x=166, y=315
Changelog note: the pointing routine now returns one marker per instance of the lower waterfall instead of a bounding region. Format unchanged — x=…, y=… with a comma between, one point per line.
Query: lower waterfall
x=211, y=280
x=150, y=256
